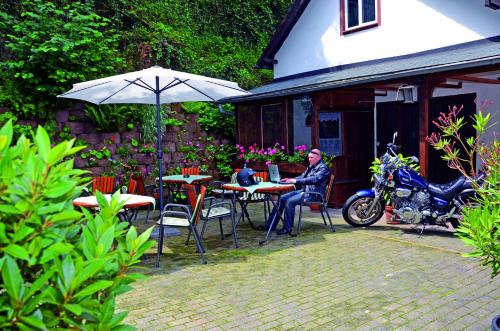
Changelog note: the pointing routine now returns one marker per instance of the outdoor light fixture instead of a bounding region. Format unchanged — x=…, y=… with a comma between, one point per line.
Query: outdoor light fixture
x=409, y=92
x=306, y=103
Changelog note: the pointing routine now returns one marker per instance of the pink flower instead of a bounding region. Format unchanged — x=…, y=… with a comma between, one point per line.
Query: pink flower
x=268, y=162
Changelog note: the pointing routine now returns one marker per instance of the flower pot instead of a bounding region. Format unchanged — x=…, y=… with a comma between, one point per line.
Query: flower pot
x=315, y=208
x=390, y=217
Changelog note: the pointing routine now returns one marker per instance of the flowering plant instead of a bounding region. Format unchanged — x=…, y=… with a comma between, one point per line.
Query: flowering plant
x=480, y=227
x=149, y=149
x=270, y=154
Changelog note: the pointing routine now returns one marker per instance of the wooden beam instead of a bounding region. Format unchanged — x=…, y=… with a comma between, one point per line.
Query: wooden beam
x=425, y=94
x=449, y=85
x=477, y=79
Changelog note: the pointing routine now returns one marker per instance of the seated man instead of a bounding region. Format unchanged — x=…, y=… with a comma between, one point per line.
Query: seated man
x=314, y=179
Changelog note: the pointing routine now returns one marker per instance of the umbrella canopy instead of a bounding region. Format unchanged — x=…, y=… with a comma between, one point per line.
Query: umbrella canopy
x=142, y=87
x=154, y=86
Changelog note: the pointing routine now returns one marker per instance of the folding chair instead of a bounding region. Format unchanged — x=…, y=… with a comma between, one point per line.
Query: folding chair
x=324, y=198
x=103, y=184
x=261, y=176
x=180, y=216
x=215, y=211
x=190, y=171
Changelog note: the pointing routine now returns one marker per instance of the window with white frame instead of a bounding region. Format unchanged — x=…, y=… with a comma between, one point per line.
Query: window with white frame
x=359, y=15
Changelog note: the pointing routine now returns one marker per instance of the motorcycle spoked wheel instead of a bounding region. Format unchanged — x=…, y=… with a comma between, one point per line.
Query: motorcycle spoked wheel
x=354, y=211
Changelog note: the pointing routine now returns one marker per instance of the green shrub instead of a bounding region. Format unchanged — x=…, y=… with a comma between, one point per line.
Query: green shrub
x=480, y=227
x=60, y=268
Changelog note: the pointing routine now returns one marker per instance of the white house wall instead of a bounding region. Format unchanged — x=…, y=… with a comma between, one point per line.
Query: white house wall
x=407, y=26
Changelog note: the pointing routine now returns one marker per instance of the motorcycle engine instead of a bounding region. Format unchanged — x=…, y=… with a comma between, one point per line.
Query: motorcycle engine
x=410, y=205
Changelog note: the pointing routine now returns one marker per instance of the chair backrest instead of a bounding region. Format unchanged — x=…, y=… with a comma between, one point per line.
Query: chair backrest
x=103, y=184
x=191, y=194
x=263, y=175
x=190, y=171
x=329, y=189
x=132, y=186
x=197, y=207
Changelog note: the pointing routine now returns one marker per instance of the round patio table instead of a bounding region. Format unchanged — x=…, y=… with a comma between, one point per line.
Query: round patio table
x=131, y=201
x=267, y=188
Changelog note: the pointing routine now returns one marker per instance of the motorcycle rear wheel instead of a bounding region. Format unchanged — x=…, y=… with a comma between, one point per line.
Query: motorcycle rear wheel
x=354, y=210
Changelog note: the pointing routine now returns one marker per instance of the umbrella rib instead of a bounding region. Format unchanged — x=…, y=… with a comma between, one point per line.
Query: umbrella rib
x=194, y=88
x=145, y=86
x=83, y=89
x=115, y=93
x=232, y=88
x=174, y=83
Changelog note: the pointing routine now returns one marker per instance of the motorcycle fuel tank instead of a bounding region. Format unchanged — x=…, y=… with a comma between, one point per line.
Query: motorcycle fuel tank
x=410, y=177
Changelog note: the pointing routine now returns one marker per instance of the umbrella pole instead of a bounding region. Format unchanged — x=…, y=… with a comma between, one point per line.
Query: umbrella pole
x=160, y=161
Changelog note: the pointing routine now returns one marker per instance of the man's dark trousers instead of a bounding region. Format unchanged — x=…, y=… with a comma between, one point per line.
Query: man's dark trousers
x=287, y=202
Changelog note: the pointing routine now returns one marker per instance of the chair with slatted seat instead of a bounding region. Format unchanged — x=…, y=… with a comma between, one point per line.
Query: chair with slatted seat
x=321, y=200
x=103, y=184
x=190, y=171
x=216, y=210
x=180, y=216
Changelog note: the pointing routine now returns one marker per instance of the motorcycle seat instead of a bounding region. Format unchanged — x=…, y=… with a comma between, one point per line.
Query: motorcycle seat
x=447, y=191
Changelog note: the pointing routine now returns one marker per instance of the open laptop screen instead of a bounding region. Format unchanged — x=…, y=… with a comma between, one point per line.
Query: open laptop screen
x=274, y=173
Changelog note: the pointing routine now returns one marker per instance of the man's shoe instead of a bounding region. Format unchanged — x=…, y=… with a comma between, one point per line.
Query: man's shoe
x=282, y=231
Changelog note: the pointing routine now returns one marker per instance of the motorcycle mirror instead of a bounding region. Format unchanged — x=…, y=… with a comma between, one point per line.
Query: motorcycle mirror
x=394, y=136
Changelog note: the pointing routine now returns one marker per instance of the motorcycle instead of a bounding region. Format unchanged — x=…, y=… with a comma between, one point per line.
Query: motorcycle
x=414, y=200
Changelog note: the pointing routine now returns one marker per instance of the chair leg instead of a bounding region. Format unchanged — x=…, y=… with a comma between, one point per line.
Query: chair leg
x=203, y=228
x=199, y=245
x=188, y=237
x=329, y=219
x=221, y=229
x=233, y=223
x=147, y=215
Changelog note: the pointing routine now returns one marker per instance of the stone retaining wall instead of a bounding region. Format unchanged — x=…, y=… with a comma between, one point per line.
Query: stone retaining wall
x=81, y=128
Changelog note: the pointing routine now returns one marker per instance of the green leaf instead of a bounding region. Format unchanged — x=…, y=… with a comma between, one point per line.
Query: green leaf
x=6, y=135
x=74, y=308
x=67, y=270
x=33, y=322
x=17, y=251
x=42, y=141
x=60, y=189
x=12, y=279
x=91, y=289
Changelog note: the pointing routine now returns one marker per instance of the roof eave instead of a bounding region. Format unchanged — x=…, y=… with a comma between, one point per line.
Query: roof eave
x=366, y=80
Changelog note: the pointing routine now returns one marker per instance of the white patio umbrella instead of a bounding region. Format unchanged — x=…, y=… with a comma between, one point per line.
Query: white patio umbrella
x=154, y=86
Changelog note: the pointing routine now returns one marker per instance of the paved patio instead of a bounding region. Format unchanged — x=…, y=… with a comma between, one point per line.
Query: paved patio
x=380, y=278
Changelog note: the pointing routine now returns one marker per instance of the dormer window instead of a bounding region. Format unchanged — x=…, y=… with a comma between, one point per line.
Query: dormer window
x=356, y=15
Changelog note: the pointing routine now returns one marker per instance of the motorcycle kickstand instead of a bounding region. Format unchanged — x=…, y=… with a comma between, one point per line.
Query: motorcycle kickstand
x=422, y=230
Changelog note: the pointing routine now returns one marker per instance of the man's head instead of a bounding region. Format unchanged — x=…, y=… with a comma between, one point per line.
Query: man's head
x=314, y=156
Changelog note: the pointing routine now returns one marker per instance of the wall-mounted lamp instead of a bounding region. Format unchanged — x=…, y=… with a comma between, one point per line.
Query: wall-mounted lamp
x=409, y=92
x=223, y=111
x=306, y=103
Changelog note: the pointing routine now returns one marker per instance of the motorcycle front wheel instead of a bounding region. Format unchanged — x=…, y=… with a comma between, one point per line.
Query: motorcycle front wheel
x=355, y=211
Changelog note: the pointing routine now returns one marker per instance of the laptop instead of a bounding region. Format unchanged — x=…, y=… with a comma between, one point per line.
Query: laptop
x=274, y=173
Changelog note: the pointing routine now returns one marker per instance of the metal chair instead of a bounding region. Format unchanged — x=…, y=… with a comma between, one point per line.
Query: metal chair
x=215, y=211
x=180, y=216
x=323, y=201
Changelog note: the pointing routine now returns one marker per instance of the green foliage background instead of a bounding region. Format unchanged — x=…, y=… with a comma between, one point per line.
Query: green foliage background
x=46, y=46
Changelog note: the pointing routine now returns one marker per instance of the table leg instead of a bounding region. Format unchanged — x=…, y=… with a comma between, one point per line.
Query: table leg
x=277, y=218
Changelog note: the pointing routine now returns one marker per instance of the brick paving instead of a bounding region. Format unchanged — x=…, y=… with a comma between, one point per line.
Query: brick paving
x=380, y=278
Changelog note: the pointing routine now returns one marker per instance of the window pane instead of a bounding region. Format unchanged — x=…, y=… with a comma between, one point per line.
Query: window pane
x=272, y=125
x=352, y=13
x=330, y=139
x=368, y=10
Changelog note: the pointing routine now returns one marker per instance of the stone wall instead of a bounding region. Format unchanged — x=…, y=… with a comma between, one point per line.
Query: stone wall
x=81, y=128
